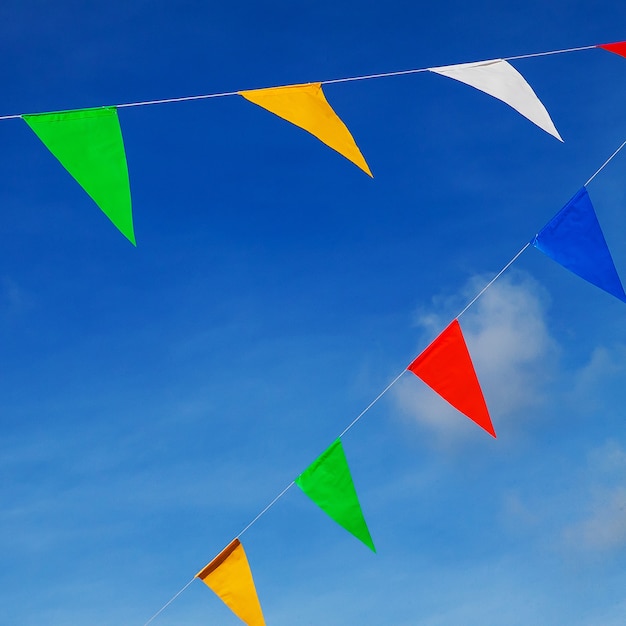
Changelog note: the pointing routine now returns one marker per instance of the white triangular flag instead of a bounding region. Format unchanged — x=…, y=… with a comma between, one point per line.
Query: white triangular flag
x=500, y=79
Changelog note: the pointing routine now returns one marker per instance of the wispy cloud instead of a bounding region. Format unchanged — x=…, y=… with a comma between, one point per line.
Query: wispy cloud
x=580, y=508
x=605, y=366
x=604, y=526
x=601, y=523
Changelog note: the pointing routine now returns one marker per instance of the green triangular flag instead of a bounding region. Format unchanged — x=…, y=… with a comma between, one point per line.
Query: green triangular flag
x=89, y=145
x=327, y=481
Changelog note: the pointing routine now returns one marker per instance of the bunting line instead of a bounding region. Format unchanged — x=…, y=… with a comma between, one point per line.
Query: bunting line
x=394, y=381
x=545, y=54
x=267, y=508
x=390, y=385
x=169, y=602
x=493, y=280
x=462, y=312
x=606, y=163
x=323, y=82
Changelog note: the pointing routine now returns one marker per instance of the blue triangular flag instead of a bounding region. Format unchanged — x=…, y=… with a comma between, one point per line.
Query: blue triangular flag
x=574, y=239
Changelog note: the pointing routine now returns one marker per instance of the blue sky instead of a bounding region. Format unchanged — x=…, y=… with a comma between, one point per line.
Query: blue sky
x=154, y=400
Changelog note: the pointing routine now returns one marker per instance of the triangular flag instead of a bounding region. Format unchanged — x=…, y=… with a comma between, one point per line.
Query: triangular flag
x=500, y=79
x=574, y=239
x=89, y=145
x=229, y=576
x=327, y=481
x=447, y=368
x=307, y=107
x=619, y=47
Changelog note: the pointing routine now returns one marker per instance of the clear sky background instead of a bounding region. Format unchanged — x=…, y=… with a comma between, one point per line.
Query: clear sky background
x=154, y=400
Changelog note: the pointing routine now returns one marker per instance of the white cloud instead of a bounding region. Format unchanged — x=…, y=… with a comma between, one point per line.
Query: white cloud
x=601, y=502
x=608, y=459
x=507, y=336
x=605, y=367
x=604, y=527
x=518, y=515
x=580, y=513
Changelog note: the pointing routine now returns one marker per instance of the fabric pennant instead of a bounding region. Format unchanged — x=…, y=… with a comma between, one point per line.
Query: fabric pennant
x=89, y=145
x=574, y=239
x=307, y=107
x=327, y=481
x=447, y=368
x=619, y=47
x=228, y=575
x=500, y=79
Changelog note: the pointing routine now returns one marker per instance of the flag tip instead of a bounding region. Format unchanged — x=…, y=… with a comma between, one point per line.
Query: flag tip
x=130, y=236
x=486, y=425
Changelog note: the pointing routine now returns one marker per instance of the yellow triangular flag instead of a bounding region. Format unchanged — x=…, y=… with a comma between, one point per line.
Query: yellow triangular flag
x=229, y=576
x=307, y=107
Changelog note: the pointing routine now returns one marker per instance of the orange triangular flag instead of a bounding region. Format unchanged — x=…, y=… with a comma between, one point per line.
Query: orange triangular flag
x=229, y=576
x=446, y=367
x=307, y=107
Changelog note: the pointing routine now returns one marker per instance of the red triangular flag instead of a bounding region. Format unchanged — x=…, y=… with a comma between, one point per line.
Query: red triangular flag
x=446, y=367
x=619, y=47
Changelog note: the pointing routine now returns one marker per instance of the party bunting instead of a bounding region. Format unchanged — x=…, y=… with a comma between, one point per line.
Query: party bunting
x=307, y=107
x=327, y=481
x=229, y=576
x=574, y=239
x=447, y=368
x=500, y=79
x=89, y=145
x=618, y=47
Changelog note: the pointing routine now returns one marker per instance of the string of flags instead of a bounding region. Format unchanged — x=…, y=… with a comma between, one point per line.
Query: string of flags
x=90, y=146
x=574, y=239
x=89, y=143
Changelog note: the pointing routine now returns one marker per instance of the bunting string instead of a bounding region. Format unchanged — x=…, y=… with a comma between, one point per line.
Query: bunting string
x=397, y=378
x=169, y=602
x=323, y=82
x=372, y=403
x=545, y=54
x=267, y=508
x=105, y=179
x=493, y=280
x=425, y=69
x=88, y=142
x=606, y=162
